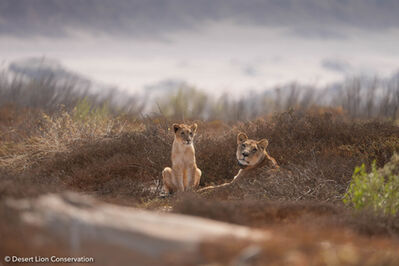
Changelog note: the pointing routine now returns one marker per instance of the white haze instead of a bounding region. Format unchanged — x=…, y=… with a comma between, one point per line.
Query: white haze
x=218, y=57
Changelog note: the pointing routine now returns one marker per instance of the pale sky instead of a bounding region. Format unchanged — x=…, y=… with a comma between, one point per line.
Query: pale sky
x=227, y=54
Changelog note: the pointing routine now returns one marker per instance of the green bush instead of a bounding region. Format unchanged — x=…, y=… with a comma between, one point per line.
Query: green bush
x=377, y=190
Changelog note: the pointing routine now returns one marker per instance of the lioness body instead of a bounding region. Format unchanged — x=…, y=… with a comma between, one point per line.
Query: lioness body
x=252, y=154
x=255, y=163
x=184, y=174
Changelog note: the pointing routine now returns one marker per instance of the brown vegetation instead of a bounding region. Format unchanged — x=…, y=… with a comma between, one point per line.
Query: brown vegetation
x=317, y=151
x=119, y=158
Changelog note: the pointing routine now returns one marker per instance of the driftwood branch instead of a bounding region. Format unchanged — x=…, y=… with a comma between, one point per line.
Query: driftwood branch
x=115, y=235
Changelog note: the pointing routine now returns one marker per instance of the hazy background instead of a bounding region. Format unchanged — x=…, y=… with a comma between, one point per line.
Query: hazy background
x=215, y=45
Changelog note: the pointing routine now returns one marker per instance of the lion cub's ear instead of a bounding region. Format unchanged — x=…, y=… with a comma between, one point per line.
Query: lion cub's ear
x=241, y=137
x=176, y=127
x=263, y=144
x=194, y=127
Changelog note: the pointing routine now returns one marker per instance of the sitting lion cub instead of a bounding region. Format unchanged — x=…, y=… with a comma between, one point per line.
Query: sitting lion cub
x=184, y=174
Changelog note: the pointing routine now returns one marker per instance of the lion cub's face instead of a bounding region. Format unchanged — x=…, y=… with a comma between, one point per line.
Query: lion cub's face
x=185, y=133
x=250, y=152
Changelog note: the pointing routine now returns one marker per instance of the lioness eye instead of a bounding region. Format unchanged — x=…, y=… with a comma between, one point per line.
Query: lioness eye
x=254, y=150
x=243, y=145
x=182, y=133
x=191, y=134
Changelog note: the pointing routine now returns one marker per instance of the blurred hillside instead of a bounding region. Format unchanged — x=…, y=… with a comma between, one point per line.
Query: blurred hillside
x=46, y=84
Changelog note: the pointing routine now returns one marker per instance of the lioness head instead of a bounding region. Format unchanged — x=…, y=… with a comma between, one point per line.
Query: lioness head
x=250, y=152
x=185, y=133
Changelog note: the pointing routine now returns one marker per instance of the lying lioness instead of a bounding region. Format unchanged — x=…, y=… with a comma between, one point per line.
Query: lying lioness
x=255, y=163
x=252, y=154
x=184, y=174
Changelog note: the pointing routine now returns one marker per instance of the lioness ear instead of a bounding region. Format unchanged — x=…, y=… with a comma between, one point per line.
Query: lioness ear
x=176, y=127
x=194, y=127
x=241, y=137
x=263, y=143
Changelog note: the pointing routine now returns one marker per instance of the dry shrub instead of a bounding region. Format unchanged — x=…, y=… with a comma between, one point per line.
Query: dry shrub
x=26, y=185
x=254, y=213
x=215, y=155
x=301, y=247
x=17, y=123
x=317, y=154
x=268, y=213
x=43, y=136
x=126, y=165
x=296, y=137
x=292, y=183
x=118, y=158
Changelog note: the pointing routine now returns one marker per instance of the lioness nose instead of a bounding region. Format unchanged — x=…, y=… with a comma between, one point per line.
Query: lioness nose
x=245, y=153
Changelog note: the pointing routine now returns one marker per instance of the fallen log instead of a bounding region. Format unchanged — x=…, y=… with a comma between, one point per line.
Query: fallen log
x=74, y=225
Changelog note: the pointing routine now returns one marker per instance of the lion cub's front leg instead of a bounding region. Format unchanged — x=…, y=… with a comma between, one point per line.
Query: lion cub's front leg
x=193, y=179
x=167, y=177
x=197, y=178
x=172, y=182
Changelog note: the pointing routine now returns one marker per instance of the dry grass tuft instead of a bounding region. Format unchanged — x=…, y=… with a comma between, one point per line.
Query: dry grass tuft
x=121, y=158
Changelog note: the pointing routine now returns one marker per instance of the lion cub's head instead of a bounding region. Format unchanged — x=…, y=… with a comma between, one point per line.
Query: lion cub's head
x=250, y=152
x=185, y=133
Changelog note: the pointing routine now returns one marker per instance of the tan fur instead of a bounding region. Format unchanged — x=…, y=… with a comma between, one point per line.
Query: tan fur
x=256, y=154
x=184, y=174
x=256, y=160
